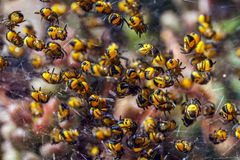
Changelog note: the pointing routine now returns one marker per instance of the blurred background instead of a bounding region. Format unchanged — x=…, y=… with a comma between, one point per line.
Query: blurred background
x=25, y=138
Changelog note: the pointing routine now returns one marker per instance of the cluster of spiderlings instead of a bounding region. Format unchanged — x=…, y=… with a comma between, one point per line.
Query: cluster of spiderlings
x=151, y=79
x=202, y=47
x=115, y=15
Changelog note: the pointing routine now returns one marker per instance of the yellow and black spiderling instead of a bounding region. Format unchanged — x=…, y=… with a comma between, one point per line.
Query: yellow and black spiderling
x=161, y=101
x=94, y=100
x=32, y=42
x=127, y=125
x=205, y=65
x=136, y=23
x=103, y=7
x=57, y=33
x=137, y=143
x=13, y=20
x=218, y=136
x=174, y=68
x=49, y=15
x=200, y=77
x=115, y=71
x=156, y=137
x=78, y=86
x=159, y=60
x=152, y=72
x=191, y=110
x=167, y=126
x=64, y=135
x=38, y=45
x=208, y=110
x=97, y=113
x=70, y=135
x=51, y=77
x=146, y=49
x=163, y=81
x=99, y=102
x=29, y=40
x=63, y=112
x=116, y=19
x=229, y=112
x=123, y=89
x=116, y=148
x=69, y=74
x=54, y=51
x=131, y=74
x=77, y=45
x=78, y=56
x=85, y=5
x=143, y=98
x=56, y=136
x=112, y=51
x=40, y=96
x=183, y=146
x=150, y=124
x=190, y=42
x=92, y=68
x=14, y=38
